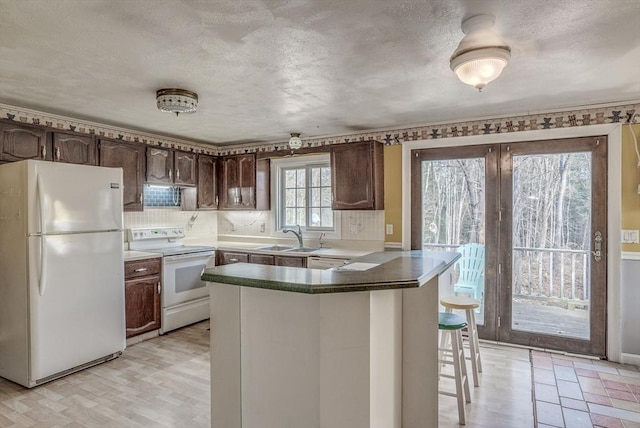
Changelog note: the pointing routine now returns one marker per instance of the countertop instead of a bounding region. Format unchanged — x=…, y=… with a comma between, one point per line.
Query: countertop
x=253, y=247
x=139, y=255
x=393, y=270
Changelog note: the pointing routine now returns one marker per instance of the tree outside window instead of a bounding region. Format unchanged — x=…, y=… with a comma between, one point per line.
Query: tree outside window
x=306, y=197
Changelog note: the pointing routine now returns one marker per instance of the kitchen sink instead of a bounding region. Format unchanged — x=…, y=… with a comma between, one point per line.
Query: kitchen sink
x=302, y=250
x=276, y=248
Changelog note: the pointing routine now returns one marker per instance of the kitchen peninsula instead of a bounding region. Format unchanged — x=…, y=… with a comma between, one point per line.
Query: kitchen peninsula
x=354, y=346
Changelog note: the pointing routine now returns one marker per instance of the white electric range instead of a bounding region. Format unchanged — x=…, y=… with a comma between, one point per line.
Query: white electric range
x=184, y=296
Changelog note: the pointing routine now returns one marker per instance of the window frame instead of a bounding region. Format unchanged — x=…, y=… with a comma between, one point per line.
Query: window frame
x=277, y=190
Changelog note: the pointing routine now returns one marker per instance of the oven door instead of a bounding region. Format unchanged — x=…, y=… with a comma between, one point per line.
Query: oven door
x=181, y=278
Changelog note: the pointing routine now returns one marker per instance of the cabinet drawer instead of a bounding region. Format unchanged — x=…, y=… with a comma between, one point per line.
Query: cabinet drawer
x=291, y=261
x=226, y=258
x=261, y=259
x=138, y=268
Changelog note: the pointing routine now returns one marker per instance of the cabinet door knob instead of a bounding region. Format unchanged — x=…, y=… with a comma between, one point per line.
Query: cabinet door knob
x=141, y=270
x=233, y=260
x=44, y=152
x=177, y=174
x=140, y=197
x=57, y=153
x=159, y=288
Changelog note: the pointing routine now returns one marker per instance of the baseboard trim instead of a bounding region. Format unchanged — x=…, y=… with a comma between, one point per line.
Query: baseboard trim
x=628, y=255
x=630, y=359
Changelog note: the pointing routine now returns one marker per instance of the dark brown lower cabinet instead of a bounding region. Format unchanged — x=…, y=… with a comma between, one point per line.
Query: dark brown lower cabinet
x=291, y=261
x=261, y=259
x=142, y=296
x=228, y=257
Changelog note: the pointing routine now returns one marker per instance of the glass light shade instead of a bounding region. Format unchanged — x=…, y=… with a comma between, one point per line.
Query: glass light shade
x=295, y=142
x=176, y=101
x=481, y=66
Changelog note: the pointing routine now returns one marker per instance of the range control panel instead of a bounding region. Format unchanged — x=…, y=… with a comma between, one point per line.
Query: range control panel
x=156, y=233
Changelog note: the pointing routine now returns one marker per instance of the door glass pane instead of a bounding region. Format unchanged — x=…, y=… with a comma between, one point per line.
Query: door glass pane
x=551, y=244
x=453, y=217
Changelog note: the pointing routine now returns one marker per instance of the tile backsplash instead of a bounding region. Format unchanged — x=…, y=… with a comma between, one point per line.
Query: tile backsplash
x=355, y=225
x=157, y=196
x=195, y=223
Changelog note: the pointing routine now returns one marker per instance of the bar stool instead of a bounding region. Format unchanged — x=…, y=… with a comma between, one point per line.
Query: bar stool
x=468, y=305
x=453, y=324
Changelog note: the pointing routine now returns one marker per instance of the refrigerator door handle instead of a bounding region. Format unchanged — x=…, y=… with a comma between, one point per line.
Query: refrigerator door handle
x=40, y=192
x=43, y=264
x=43, y=238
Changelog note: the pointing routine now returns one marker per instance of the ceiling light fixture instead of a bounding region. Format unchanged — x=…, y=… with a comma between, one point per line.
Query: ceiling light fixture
x=482, y=54
x=176, y=101
x=295, y=142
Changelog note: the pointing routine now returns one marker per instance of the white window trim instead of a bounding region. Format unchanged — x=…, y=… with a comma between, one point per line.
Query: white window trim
x=276, y=189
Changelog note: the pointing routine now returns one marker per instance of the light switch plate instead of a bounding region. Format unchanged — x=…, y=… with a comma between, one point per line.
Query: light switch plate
x=390, y=229
x=629, y=236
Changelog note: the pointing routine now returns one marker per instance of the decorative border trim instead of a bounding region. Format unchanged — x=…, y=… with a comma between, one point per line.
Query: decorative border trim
x=63, y=123
x=591, y=115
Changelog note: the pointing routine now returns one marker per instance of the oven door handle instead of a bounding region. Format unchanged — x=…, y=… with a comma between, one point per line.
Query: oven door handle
x=194, y=256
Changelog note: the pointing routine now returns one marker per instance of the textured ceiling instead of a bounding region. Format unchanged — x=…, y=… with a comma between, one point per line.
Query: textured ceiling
x=263, y=69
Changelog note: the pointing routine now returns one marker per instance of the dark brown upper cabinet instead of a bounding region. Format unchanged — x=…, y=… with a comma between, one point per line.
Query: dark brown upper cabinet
x=207, y=182
x=159, y=166
x=20, y=142
x=74, y=148
x=357, y=176
x=131, y=158
x=244, y=183
x=171, y=167
x=184, y=164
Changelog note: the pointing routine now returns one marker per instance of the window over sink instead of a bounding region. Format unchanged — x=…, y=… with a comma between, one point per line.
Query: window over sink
x=303, y=193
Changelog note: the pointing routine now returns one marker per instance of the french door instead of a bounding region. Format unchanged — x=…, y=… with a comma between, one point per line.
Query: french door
x=534, y=214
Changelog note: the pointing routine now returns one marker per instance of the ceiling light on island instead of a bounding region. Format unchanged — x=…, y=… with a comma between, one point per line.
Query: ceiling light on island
x=172, y=100
x=482, y=54
x=295, y=142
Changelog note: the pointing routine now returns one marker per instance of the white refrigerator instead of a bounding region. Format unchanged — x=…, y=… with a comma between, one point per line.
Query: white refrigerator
x=61, y=269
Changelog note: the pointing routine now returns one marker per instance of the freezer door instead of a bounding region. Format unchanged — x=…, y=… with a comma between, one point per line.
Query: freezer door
x=76, y=297
x=71, y=198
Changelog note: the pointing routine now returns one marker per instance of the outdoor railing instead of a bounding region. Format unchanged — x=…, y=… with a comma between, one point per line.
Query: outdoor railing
x=548, y=272
x=545, y=272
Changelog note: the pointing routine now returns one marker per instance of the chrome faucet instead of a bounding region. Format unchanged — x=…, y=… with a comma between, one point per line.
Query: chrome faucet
x=298, y=235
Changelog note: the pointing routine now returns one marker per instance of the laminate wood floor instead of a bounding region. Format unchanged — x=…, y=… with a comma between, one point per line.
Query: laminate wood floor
x=163, y=382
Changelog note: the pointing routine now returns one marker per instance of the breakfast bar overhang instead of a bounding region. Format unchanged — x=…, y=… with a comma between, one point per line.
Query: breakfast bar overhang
x=351, y=347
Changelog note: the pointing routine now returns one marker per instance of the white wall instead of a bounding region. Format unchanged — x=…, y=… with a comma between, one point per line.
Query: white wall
x=630, y=315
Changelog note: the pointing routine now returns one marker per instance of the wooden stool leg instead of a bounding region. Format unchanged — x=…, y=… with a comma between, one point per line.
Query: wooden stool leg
x=456, y=341
x=465, y=376
x=477, y=343
x=444, y=335
x=473, y=346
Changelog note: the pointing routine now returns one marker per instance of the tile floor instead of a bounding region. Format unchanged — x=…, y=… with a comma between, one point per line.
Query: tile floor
x=578, y=392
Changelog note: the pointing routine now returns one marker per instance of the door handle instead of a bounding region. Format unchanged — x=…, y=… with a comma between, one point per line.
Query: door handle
x=597, y=245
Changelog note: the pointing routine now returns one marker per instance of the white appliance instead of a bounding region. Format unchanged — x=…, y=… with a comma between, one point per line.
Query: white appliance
x=184, y=296
x=61, y=269
x=325, y=262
